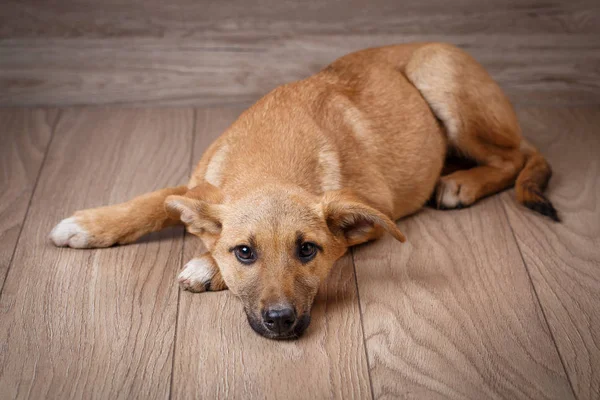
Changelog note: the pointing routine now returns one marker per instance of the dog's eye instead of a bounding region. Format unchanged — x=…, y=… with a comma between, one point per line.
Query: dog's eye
x=307, y=251
x=245, y=254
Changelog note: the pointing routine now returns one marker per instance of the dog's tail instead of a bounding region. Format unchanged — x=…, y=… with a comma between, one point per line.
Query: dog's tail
x=532, y=182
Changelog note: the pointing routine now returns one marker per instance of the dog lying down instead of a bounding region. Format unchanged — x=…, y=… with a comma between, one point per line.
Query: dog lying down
x=325, y=163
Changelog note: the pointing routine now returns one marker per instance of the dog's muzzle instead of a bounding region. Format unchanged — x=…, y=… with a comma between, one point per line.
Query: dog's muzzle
x=279, y=323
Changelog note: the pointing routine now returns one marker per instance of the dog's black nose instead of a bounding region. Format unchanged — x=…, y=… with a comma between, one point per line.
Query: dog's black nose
x=279, y=319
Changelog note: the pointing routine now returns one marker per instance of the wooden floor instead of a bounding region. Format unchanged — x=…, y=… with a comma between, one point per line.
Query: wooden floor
x=487, y=302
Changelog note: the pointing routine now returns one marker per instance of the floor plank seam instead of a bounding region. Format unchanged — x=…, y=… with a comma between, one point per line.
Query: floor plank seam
x=191, y=166
x=246, y=104
x=176, y=326
x=362, y=325
x=33, y=190
x=562, y=361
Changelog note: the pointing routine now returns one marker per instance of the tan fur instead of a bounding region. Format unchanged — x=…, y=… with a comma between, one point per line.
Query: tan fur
x=214, y=169
x=121, y=223
x=333, y=160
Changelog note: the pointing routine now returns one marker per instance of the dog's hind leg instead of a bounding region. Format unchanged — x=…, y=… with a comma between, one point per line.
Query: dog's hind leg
x=481, y=124
x=117, y=224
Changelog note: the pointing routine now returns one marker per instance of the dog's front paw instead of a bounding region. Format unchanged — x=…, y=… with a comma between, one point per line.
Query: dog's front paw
x=93, y=228
x=200, y=275
x=70, y=233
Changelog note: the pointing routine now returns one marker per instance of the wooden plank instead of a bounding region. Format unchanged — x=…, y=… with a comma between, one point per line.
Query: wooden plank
x=185, y=52
x=25, y=137
x=246, y=20
x=219, y=356
x=552, y=69
x=452, y=313
x=96, y=323
x=564, y=258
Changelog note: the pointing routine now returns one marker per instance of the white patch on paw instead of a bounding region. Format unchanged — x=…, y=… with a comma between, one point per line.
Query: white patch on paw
x=196, y=275
x=449, y=195
x=69, y=233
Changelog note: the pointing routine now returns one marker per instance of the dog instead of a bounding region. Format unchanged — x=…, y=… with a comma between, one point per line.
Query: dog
x=329, y=162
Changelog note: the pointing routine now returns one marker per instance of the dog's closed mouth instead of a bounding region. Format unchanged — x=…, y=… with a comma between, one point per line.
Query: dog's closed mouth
x=295, y=332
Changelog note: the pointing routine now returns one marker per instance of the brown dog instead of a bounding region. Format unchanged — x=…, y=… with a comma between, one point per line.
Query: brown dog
x=325, y=163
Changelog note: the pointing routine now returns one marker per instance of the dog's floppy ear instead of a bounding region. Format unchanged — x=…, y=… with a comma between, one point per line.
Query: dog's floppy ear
x=351, y=218
x=198, y=209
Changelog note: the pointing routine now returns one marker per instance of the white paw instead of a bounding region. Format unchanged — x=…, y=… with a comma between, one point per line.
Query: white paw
x=448, y=195
x=69, y=233
x=196, y=275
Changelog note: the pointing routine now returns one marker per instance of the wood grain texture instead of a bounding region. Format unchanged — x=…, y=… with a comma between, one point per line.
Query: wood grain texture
x=219, y=356
x=96, y=323
x=246, y=20
x=452, y=313
x=564, y=259
x=24, y=138
x=213, y=53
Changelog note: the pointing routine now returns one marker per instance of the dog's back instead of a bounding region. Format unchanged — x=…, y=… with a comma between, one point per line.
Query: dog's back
x=380, y=122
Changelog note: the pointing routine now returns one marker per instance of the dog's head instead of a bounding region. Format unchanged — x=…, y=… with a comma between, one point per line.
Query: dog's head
x=275, y=245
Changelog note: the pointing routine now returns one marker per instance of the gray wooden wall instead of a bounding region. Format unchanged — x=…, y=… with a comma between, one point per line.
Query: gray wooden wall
x=194, y=52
